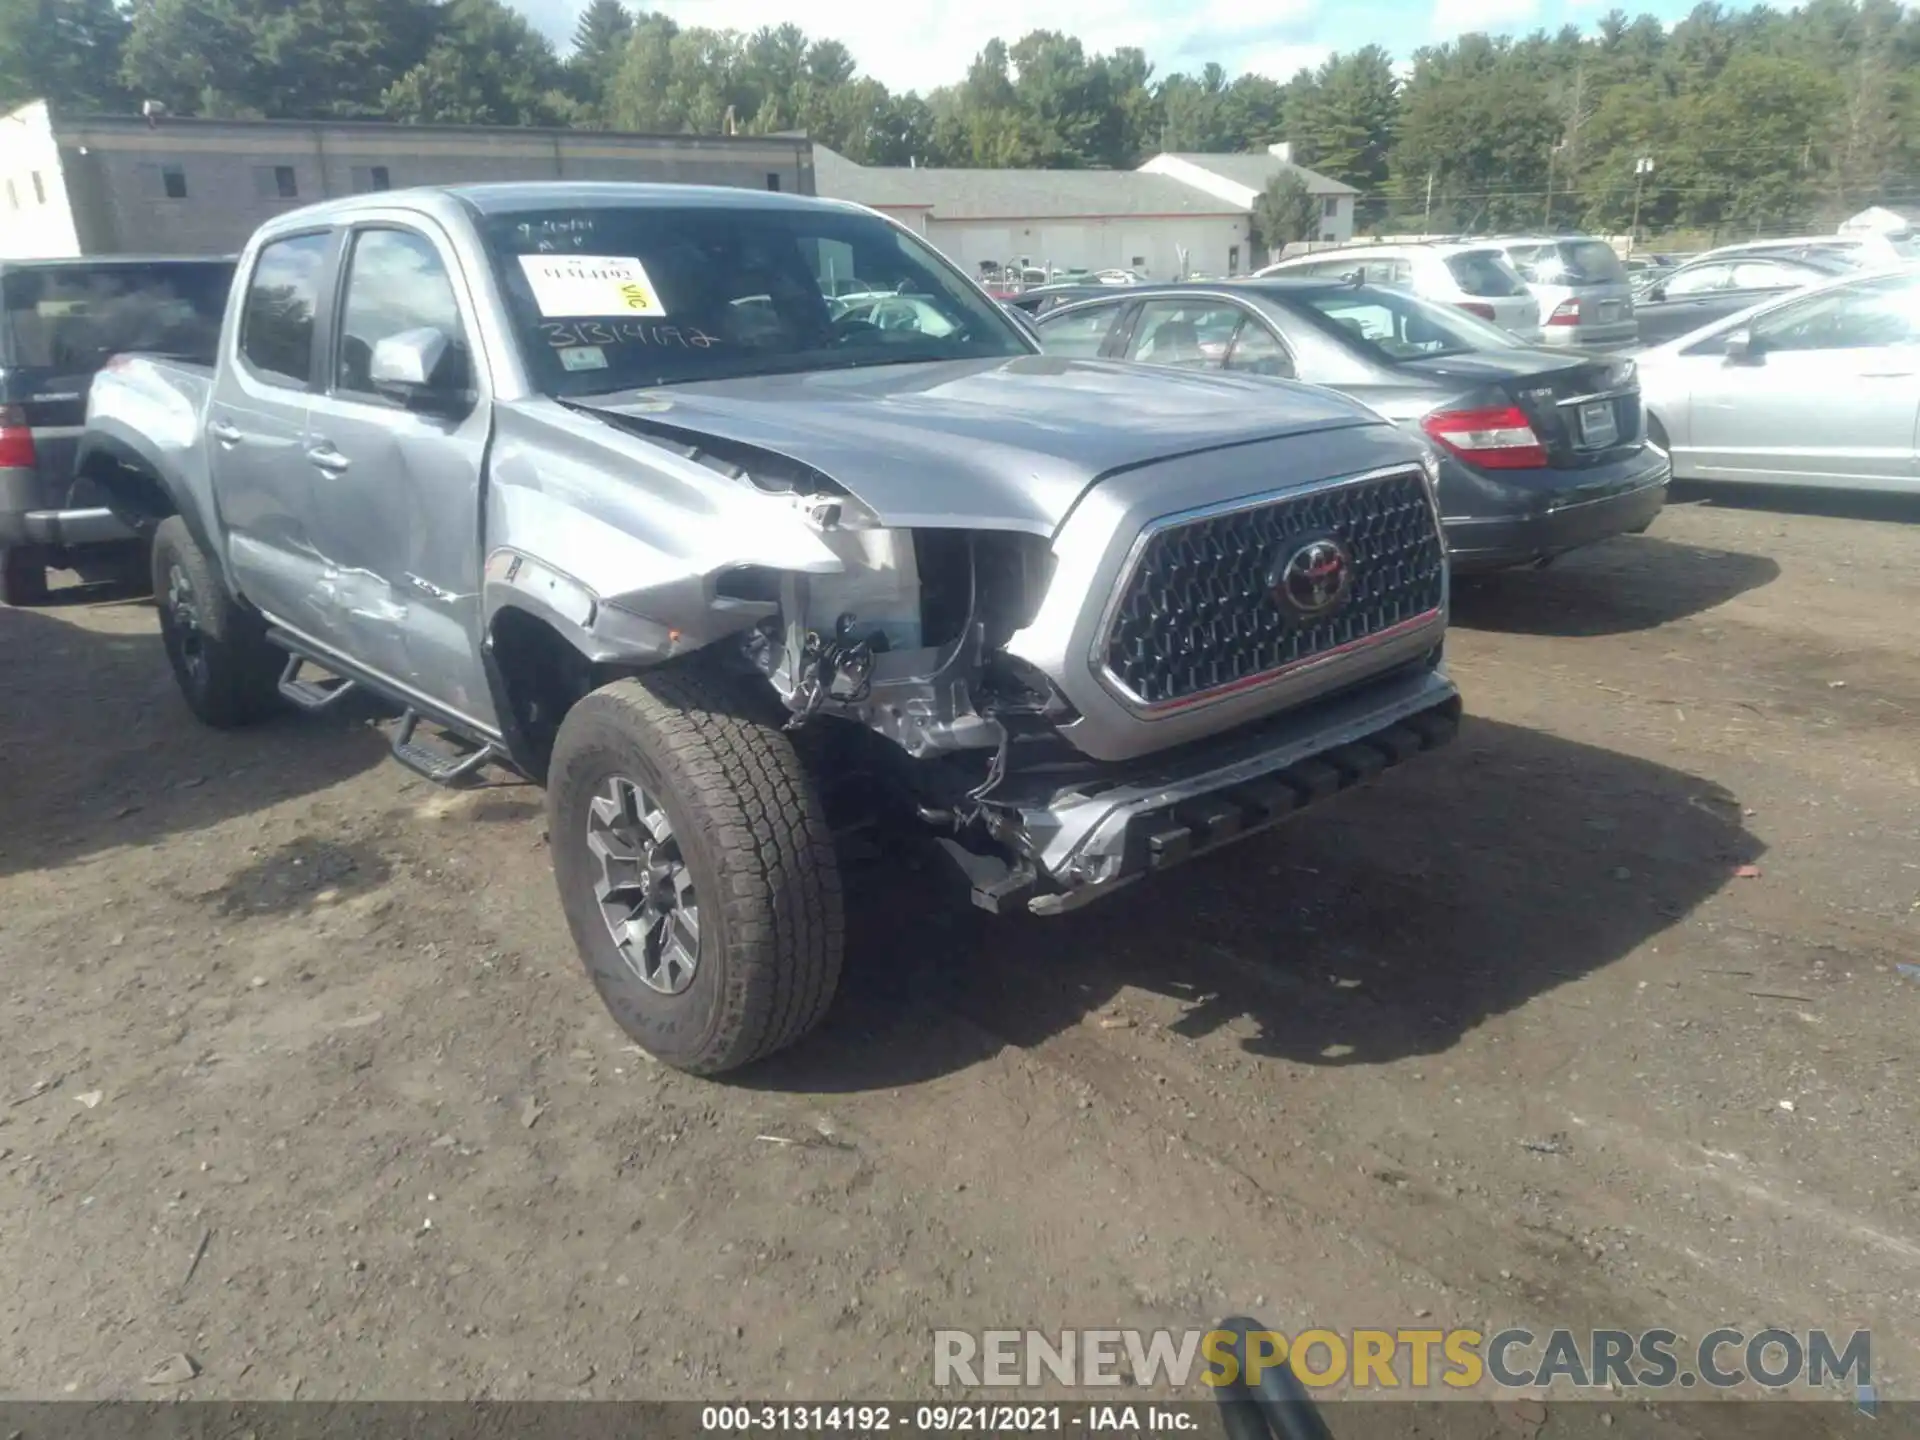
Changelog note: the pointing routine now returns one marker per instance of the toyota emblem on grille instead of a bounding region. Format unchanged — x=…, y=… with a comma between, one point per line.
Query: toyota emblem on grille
x=1313, y=579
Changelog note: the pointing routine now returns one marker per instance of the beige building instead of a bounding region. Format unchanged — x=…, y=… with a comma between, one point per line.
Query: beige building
x=103, y=185
x=1175, y=215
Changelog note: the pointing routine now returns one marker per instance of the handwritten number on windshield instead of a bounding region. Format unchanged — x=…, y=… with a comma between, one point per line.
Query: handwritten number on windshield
x=626, y=332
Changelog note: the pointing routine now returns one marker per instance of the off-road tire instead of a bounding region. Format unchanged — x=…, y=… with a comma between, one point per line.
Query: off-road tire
x=753, y=836
x=23, y=576
x=227, y=670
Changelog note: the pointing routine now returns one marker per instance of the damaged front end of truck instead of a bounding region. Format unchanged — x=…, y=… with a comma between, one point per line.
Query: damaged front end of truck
x=1069, y=700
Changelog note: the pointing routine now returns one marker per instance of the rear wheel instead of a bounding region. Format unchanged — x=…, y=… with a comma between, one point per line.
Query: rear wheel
x=227, y=671
x=696, y=870
x=23, y=575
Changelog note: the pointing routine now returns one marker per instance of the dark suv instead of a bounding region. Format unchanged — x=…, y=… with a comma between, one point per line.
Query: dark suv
x=60, y=322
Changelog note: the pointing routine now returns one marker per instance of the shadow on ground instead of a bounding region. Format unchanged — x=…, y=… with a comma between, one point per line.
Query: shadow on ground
x=1898, y=508
x=97, y=749
x=1634, y=582
x=1384, y=925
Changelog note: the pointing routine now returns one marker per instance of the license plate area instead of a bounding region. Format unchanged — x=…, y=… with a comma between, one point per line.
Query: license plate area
x=1598, y=426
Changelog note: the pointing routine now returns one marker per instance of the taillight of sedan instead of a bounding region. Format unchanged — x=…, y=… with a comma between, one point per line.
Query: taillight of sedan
x=1497, y=437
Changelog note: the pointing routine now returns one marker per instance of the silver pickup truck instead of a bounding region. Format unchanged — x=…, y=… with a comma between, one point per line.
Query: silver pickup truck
x=603, y=484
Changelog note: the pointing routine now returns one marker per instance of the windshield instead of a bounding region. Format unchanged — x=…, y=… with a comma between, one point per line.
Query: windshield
x=1485, y=274
x=70, y=318
x=621, y=297
x=1396, y=327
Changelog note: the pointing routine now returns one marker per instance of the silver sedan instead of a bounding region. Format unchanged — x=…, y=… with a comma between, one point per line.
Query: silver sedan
x=1821, y=387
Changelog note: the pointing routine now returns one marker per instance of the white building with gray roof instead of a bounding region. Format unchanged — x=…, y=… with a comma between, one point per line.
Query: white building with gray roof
x=1176, y=214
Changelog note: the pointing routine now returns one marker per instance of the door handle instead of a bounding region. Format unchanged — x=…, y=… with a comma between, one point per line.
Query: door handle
x=225, y=434
x=325, y=457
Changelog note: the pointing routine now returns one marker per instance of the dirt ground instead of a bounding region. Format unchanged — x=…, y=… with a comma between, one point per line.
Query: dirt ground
x=299, y=1075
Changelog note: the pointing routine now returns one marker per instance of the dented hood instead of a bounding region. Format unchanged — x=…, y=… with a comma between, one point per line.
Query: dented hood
x=983, y=444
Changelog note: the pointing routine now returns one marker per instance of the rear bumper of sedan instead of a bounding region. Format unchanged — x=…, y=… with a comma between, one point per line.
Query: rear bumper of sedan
x=1590, y=337
x=1518, y=522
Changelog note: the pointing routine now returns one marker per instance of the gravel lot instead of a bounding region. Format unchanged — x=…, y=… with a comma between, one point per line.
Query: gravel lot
x=1509, y=1038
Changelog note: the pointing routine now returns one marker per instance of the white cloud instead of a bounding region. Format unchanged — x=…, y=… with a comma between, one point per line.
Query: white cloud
x=919, y=46
x=1456, y=17
x=1283, y=61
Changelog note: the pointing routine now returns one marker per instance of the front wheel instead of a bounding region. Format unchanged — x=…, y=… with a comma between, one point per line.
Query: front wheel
x=227, y=670
x=696, y=869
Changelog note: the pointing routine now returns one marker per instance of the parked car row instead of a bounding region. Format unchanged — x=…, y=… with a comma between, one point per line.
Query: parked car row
x=1575, y=291
x=1558, y=290
x=1539, y=451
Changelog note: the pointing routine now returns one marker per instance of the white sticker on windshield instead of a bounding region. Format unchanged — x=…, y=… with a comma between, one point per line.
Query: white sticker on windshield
x=583, y=357
x=572, y=285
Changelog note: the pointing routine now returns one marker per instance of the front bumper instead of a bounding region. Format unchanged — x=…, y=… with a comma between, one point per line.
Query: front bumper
x=1514, y=523
x=1203, y=796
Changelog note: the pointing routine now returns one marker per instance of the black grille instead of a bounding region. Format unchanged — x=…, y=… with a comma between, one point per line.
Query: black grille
x=1196, y=613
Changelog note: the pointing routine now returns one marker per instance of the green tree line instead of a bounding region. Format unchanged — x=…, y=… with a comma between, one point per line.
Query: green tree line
x=1752, y=118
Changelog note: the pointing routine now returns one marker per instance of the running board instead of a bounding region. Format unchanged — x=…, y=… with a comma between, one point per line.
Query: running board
x=440, y=766
x=311, y=695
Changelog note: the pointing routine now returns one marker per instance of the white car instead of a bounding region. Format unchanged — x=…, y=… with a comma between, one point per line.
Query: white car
x=1820, y=387
x=1866, y=251
x=1475, y=278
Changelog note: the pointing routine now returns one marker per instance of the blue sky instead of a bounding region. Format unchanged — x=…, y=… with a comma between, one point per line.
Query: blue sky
x=920, y=44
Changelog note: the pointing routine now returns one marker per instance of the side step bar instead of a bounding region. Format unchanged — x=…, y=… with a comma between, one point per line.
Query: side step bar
x=443, y=767
x=431, y=762
x=311, y=695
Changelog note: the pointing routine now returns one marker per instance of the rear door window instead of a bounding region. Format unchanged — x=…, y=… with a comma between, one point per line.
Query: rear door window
x=1485, y=274
x=1698, y=280
x=283, y=296
x=1766, y=275
x=1077, y=332
x=69, y=319
x=1256, y=350
x=1193, y=334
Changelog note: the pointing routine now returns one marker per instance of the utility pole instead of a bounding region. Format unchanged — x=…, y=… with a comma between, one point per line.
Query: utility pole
x=1552, y=155
x=1642, y=168
x=1426, y=226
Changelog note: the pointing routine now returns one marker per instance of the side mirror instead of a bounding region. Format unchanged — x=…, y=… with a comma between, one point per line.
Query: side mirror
x=1740, y=349
x=1656, y=292
x=417, y=368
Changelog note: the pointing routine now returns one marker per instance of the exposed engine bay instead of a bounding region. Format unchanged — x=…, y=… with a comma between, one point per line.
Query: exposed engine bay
x=971, y=678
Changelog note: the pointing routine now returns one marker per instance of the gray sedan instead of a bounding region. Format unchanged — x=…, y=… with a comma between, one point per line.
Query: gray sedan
x=1541, y=451
x=1821, y=387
